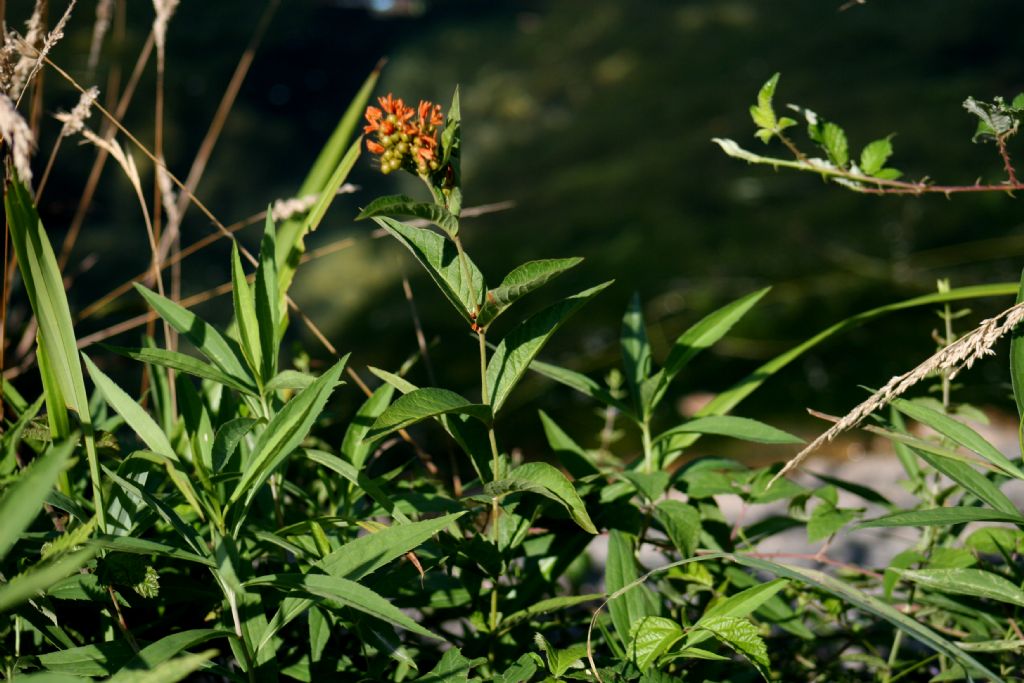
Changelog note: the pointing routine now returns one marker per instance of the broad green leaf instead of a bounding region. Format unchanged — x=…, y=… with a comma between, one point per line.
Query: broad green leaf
x=741, y=636
x=942, y=517
x=52, y=677
x=827, y=519
x=872, y=605
x=140, y=546
x=970, y=479
x=184, y=363
x=651, y=638
x=170, y=671
x=45, y=288
x=356, y=446
x=330, y=166
x=222, y=352
x=977, y=583
x=636, y=354
x=762, y=113
x=357, y=478
x=833, y=139
x=567, y=452
x=681, y=523
x=226, y=441
x=284, y=433
x=542, y=478
x=520, y=282
x=874, y=156
x=959, y=433
x=288, y=379
x=164, y=649
x=134, y=415
x=101, y=659
x=421, y=404
x=1017, y=358
x=459, y=279
x=400, y=205
x=522, y=670
x=23, y=500
x=165, y=511
x=453, y=668
x=39, y=577
x=522, y=344
x=735, y=427
x=699, y=337
x=581, y=383
x=745, y=602
x=270, y=309
x=547, y=606
x=361, y=557
x=345, y=591
x=620, y=571
x=245, y=315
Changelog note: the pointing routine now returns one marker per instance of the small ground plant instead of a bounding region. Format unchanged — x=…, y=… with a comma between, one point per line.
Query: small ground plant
x=224, y=523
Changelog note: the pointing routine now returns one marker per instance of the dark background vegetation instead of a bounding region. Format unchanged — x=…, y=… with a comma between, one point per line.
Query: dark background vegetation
x=595, y=118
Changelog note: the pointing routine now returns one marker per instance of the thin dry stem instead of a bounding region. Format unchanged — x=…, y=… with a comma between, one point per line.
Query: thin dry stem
x=959, y=355
x=35, y=55
x=104, y=12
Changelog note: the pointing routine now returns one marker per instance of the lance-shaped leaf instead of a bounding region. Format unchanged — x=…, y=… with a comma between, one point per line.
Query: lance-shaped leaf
x=520, y=282
x=245, y=315
x=285, y=432
x=182, y=362
x=39, y=577
x=699, y=337
x=542, y=478
x=959, y=433
x=735, y=427
x=156, y=654
x=942, y=517
x=222, y=352
x=520, y=346
x=400, y=205
x=459, y=279
x=356, y=446
x=636, y=356
x=420, y=404
x=268, y=300
x=977, y=583
x=23, y=499
x=630, y=600
x=346, y=592
x=134, y=415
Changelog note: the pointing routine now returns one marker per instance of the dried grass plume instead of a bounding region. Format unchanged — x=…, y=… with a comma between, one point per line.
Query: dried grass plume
x=18, y=136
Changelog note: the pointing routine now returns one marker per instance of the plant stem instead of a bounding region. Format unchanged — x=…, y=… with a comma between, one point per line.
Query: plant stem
x=645, y=427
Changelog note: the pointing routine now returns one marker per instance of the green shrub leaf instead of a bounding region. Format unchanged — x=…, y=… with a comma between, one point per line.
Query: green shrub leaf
x=977, y=583
x=400, y=205
x=520, y=282
x=420, y=404
x=542, y=478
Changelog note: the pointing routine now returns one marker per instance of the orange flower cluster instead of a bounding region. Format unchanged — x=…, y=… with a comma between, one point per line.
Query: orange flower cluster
x=399, y=139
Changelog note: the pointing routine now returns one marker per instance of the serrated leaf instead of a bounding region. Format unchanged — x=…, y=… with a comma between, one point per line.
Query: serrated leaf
x=421, y=404
x=942, y=517
x=520, y=282
x=741, y=636
x=874, y=155
x=284, y=433
x=833, y=140
x=651, y=638
x=453, y=668
x=39, y=577
x=977, y=583
x=400, y=205
x=762, y=113
x=681, y=523
x=542, y=478
x=22, y=501
x=440, y=258
x=521, y=345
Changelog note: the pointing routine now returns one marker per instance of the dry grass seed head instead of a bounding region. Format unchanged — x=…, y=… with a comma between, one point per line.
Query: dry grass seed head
x=104, y=13
x=75, y=120
x=33, y=54
x=18, y=137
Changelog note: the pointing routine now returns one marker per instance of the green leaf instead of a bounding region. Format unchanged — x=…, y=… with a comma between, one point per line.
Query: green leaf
x=440, y=258
x=453, y=668
x=874, y=156
x=520, y=282
x=288, y=379
x=959, y=433
x=522, y=344
x=542, y=478
x=183, y=363
x=97, y=660
x=762, y=113
x=245, y=315
x=581, y=383
x=164, y=649
x=651, y=638
x=681, y=523
x=23, y=500
x=872, y=605
x=636, y=354
x=56, y=339
x=620, y=571
x=827, y=519
x=421, y=404
x=332, y=165
x=356, y=446
x=284, y=433
x=741, y=636
x=39, y=577
x=701, y=336
x=942, y=517
x=833, y=139
x=140, y=546
x=977, y=583
x=358, y=479
x=970, y=479
x=270, y=302
x=567, y=452
x=745, y=602
x=134, y=415
x=222, y=352
x=170, y=671
x=345, y=591
x=1017, y=358
x=400, y=205
x=735, y=427
x=547, y=606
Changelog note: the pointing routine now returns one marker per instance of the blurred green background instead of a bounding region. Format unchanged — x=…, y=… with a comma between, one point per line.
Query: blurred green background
x=595, y=118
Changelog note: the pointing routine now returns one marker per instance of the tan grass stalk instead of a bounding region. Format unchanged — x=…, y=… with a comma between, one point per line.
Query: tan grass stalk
x=73, y=122
x=104, y=12
x=959, y=355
